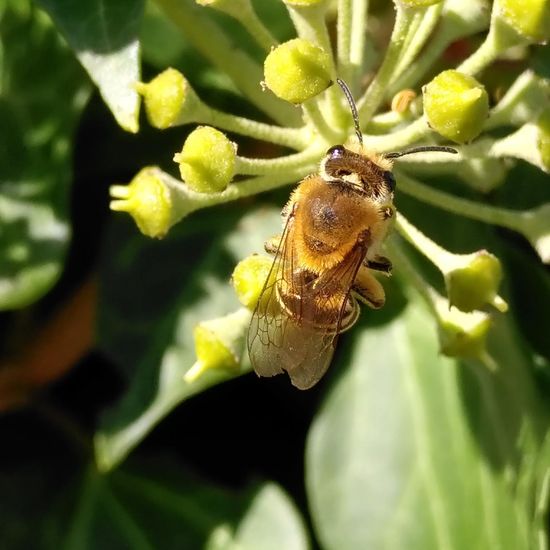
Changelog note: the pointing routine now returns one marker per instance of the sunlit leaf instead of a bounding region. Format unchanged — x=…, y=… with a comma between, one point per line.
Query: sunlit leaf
x=414, y=450
x=103, y=35
x=42, y=92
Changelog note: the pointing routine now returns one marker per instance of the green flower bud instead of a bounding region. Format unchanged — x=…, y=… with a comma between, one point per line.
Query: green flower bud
x=297, y=70
x=543, y=141
x=456, y=105
x=474, y=281
x=418, y=3
x=207, y=160
x=147, y=199
x=529, y=18
x=463, y=334
x=249, y=278
x=219, y=344
x=169, y=100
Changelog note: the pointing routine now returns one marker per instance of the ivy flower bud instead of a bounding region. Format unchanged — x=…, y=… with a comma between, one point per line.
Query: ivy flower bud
x=148, y=200
x=474, y=281
x=456, y=105
x=297, y=70
x=463, y=334
x=169, y=100
x=529, y=18
x=249, y=278
x=207, y=160
x=543, y=141
x=219, y=344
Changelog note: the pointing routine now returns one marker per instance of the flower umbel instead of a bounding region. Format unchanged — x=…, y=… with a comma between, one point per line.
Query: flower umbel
x=309, y=115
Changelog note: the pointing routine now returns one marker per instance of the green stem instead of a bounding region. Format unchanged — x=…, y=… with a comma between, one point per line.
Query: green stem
x=420, y=30
x=359, y=10
x=295, y=138
x=216, y=46
x=279, y=165
x=317, y=120
x=345, y=18
x=463, y=207
x=406, y=268
x=440, y=257
x=351, y=34
x=374, y=94
x=310, y=24
x=412, y=133
x=255, y=26
x=499, y=38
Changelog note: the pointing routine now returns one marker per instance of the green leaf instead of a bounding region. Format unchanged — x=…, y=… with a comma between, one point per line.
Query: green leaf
x=413, y=450
x=153, y=506
x=42, y=93
x=146, y=322
x=103, y=35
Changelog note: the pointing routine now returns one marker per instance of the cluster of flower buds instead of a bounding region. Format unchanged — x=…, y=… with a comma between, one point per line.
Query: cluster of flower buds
x=454, y=106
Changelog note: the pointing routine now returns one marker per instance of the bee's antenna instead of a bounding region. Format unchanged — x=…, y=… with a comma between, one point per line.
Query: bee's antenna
x=353, y=108
x=422, y=149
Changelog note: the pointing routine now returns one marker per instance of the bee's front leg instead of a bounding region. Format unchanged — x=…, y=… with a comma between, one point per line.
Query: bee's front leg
x=367, y=289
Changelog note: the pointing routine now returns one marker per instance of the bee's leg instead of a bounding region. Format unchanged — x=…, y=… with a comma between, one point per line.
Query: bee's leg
x=379, y=263
x=272, y=245
x=367, y=289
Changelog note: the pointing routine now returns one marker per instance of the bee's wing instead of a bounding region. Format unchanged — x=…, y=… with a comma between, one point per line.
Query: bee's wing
x=300, y=336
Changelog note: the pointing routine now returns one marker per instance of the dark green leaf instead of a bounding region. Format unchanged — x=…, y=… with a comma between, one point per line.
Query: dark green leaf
x=414, y=450
x=103, y=35
x=42, y=94
x=146, y=322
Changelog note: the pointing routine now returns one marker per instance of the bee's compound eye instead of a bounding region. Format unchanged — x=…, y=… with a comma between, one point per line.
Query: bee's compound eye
x=389, y=179
x=336, y=151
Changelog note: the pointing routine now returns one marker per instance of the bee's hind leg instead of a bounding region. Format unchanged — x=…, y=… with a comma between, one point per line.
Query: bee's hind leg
x=367, y=289
x=380, y=264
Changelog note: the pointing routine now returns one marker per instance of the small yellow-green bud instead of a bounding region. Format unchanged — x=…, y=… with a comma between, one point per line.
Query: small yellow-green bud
x=463, y=334
x=249, y=278
x=165, y=98
x=219, y=344
x=207, y=160
x=418, y=3
x=297, y=70
x=147, y=199
x=402, y=100
x=543, y=141
x=529, y=18
x=474, y=282
x=456, y=105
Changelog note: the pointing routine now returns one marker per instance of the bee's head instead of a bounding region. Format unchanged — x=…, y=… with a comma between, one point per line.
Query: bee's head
x=367, y=174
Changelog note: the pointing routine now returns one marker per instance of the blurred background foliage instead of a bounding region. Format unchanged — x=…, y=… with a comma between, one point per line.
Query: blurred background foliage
x=397, y=447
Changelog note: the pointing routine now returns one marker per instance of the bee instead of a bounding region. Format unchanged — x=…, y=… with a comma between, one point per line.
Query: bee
x=333, y=228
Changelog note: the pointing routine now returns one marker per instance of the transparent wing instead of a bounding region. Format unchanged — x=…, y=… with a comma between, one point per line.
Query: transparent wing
x=299, y=315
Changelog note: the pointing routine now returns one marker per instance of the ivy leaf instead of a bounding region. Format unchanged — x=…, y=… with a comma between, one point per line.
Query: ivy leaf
x=141, y=510
x=413, y=450
x=103, y=35
x=152, y=506
x=42, y=93
x=146, y=323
